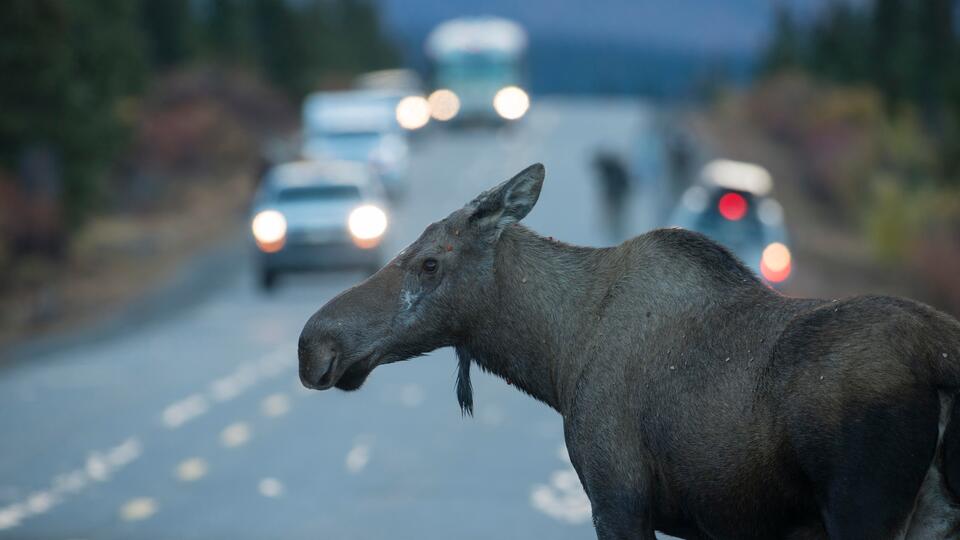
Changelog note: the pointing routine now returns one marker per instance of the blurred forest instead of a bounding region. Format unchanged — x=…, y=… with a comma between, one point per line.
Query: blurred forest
x=867, y=95
x=130, y=128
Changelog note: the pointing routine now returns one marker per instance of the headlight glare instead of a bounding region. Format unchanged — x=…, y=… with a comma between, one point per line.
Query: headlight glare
x=511, y=102
x=269, y=230
x=367, y=223
x=413, y=112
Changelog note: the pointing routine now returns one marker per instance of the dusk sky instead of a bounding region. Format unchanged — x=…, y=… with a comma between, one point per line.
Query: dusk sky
x=716, y=26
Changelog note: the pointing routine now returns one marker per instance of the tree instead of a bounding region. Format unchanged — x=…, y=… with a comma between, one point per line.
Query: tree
x=75, y=64
x=938, y=56
x=170, y=31
x=889, y=39
x=229, y=31
x=838, y=44
x=360, y=28
x=282, y=48
x=784, y=50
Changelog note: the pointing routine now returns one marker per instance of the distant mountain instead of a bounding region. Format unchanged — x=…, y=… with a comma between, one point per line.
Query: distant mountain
x=660, y=47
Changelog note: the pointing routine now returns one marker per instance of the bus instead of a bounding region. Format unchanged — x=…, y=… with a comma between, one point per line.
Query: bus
x=478, y=67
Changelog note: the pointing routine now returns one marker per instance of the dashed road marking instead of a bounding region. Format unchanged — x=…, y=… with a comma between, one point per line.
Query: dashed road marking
x=358, y=457
x=275, y=405
x=236, y=434
x=563, y=499
x=270, y=487
x=98, y=467
x=228, y=387
x=138, y=509
x=180, y=412
x=192, y=469
x=411, y=395
x=491, y=415
x=10, y=516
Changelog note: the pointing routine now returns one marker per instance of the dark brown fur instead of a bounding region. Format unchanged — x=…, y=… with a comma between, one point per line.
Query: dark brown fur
x=695, y=399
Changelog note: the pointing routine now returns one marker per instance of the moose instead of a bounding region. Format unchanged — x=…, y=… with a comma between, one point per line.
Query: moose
x=695, y=399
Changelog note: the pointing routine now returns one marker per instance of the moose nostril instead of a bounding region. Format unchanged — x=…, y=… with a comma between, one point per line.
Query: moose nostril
x=325, y=360
x=318, y=360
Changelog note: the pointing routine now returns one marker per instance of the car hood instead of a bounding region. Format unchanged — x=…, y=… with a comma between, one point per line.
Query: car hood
x=316, y=214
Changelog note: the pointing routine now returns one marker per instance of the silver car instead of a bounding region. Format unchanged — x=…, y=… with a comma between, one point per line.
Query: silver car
x=360, y=126
x=315, y=215
x=732, y=205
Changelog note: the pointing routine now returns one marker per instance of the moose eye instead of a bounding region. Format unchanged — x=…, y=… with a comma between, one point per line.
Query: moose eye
x=430, y=266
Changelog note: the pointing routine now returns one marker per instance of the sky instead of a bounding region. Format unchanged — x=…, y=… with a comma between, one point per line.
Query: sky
x=659, y=48
x=736, y=27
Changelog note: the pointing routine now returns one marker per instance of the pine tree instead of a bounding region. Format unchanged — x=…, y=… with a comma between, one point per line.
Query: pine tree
x=784, y=50
x=75, y=63
x=229, y=31
x=170, y=30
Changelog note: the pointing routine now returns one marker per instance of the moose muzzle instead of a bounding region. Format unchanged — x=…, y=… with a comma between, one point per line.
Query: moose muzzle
x=319, y=362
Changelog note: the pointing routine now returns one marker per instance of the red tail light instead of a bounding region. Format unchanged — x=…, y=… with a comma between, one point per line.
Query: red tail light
x=732, y=206
x=776, y=262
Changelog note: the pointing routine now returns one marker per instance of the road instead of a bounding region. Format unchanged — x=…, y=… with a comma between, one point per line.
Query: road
x=196, y=426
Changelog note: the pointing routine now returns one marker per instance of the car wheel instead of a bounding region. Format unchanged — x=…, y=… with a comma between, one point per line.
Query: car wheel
x=268, y=280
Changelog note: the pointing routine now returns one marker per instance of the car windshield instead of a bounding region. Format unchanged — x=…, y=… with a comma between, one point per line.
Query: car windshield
x=352, y=146
x=467, y=68
x=319, y=193
x=742, y=234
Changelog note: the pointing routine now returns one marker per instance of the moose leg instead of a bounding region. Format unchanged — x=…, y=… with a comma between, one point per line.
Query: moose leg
x=621, y=521
x=618, y=493
x=867, y=470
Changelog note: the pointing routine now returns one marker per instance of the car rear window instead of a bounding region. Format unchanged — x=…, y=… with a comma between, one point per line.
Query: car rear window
x=318, y=193
x=743, y=233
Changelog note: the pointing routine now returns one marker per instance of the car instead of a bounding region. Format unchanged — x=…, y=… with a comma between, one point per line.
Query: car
x=402, y=80
x=365, y=126
x=317, y=215
x=731, y=204
x=479, y=75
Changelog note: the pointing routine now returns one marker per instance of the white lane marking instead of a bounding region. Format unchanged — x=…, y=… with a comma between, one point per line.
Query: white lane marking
x=275, y=405
x=491, y=415
x=411, y=395
x=270, y=487
x=98, y=467
x=223, y=389
x=191, y=469
x=138, y=509
x=10, y=516
x=180, y=412
x=40, y=502
x=563, y=498
x=358, y=457
x=234, y=384
x=236, y=434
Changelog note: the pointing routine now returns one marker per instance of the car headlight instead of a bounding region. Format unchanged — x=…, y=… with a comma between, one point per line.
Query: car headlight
x=367, y=224
x=269, y=230
x=413, y=112
x=511, y=102
x=444, y=104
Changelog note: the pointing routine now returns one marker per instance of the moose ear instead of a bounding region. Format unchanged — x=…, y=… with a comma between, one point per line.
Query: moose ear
x=509, y=202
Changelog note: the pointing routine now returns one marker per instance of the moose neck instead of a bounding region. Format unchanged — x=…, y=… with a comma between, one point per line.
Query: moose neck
x=526, y=327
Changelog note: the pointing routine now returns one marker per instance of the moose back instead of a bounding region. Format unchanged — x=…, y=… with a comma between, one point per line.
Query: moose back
x=695, y=400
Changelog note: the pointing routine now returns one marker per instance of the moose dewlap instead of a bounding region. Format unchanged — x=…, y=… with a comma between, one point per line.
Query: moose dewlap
x=695, y=400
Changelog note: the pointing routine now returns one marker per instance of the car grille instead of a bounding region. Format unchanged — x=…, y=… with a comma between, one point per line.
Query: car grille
x=317, y=236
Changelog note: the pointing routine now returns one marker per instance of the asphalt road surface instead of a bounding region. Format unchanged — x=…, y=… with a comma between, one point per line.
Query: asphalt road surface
x=196, y=426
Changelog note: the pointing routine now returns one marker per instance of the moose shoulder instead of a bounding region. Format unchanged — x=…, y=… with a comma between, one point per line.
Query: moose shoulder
x=695, y=400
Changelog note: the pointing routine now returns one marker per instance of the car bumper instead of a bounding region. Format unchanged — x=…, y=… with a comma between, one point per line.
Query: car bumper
x=326, y=256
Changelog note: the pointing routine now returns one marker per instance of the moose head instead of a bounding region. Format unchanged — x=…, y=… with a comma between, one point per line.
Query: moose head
x=422, y=300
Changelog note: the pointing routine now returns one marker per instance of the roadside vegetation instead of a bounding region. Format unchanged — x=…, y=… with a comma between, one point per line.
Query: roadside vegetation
x=866, y=98
x=132, y=130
